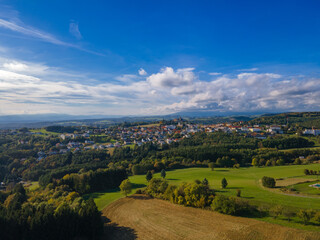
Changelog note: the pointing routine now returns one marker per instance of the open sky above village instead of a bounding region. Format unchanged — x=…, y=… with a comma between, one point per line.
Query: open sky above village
x=159, y=57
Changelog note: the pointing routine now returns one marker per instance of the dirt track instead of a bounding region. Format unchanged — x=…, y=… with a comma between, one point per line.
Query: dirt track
x=139, y=217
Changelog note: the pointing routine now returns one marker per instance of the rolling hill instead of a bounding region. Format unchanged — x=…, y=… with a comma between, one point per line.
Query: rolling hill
x=140, y=217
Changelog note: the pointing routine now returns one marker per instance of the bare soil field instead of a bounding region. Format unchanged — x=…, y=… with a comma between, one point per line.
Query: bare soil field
x=139, y=217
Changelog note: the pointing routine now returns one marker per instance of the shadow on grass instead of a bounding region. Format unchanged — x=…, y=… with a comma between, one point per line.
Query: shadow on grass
x=98, y=194
x=136, y=185
x=248, y=197
x=221, y=170
x=113, y=231
x=234, y=188
x=220, y=191
x=172, y=179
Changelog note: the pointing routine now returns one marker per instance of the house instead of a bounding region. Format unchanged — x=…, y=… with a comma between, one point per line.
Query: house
x=254, y=129
x=312, y=131
x=274, y=130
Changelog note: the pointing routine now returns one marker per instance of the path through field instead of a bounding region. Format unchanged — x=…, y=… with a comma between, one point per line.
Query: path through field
x=140, y=217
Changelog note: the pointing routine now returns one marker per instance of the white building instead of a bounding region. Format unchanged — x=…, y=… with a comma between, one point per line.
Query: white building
x=315, y=132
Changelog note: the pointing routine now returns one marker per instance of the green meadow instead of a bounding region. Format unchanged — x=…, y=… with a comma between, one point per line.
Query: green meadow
x=245, y=179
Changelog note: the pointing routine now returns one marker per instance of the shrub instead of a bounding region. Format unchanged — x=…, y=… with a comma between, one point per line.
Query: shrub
x=316, y=217
x=138, y=191
x=211, y=165
x=305, y=215
x=288, y=214
x=268, y=182
x=276, y=211
x=126, y=186
x=149, y=176
x=238, y=193
x=224, y=183
x=231, y=206
x=223, y=204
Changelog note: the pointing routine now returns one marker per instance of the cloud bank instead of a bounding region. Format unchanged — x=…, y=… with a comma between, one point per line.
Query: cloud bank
x=28, y=87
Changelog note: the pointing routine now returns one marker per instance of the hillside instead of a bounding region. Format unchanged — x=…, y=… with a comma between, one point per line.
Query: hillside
x=300, y=119
x=139, y=217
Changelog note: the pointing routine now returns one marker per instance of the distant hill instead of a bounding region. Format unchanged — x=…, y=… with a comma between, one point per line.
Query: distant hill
x=294, y=119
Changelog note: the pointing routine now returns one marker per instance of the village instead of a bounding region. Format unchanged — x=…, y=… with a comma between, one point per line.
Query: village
x=109, y=138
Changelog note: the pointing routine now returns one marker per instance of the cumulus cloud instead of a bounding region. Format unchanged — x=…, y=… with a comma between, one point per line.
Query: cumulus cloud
x=251, y=92
x=36, y=87
x=167, y=77
x=142, y=72
x=74, y=30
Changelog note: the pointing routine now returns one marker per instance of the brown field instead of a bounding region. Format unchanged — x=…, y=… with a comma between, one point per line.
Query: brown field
x=291, y=181
x=139, y=217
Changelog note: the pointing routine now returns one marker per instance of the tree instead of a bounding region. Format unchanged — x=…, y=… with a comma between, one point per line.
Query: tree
x=136, y=169
x=268, y=182
x=306, y=172
x=149, y=176
x=18, y=188
x=163, y=173
x=276, y=211
x=224, y=183
x=126, y=186
x=211, y=165
x=223, y=204
x=305, y=215
x=316, y=217
x=255, y=162
x=288, y=214
x=205, y=182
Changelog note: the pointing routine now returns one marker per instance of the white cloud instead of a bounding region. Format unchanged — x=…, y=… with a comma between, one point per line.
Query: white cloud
x=215, y=73
x=248, y=70
x=142, y=72
x=16, y=25
x=74, y=30
x=170, y=78
x=36, y=87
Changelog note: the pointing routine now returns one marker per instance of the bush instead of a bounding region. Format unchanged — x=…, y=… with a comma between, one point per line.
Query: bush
x=288, y=214
x=268, y=182
x=316, y=217
x=223, y=204
x=232, y=206
x=224, y=183
x=238, y=193
x=276, y=211
x=138, y=191
x=305, y=215
x=126, y=186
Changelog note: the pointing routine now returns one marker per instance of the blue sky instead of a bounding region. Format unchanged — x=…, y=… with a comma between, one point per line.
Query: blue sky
x=159, y=57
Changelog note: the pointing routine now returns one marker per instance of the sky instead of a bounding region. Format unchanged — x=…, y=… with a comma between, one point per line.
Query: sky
x=159, y=57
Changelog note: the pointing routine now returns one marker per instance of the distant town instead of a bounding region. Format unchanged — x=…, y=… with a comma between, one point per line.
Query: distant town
x=160, y=133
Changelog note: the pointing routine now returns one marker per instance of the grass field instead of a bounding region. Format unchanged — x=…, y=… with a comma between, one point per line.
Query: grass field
x=45, y=132
x=245, y=179
x=138, y=217
x=305, y=189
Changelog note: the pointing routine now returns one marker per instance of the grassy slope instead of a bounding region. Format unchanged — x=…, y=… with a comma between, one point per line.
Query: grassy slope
x=45, y=132
x=246, y=179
